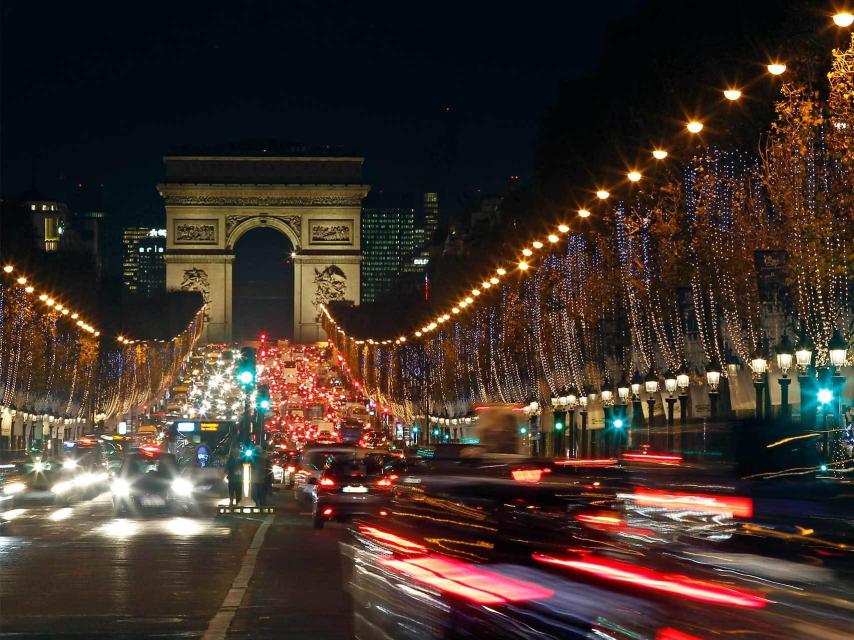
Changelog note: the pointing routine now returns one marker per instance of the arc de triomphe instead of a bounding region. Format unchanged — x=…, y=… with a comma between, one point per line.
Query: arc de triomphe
x=315, y=200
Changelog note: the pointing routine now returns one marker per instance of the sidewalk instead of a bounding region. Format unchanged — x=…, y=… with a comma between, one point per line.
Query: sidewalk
x=296, y=590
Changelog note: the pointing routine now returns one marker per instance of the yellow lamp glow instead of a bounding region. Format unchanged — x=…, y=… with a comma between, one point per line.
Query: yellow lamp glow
x=527, y=253
x=659, y=154
x=538, y=245
x=563, y=228
x=776, y=68
x=494, y=280
x=29, y=289
x=732, y=94
x=455, y=310
x=584, y=213
x=634, y=176
x=553, y=238
x=602, y=195
x=22, y=280
x=469, y=300
x=486, y=284
x=501, y=271
x=8, y=268
x=475, y=292
x=695, y=126
x=843, y=19
x=523, y=266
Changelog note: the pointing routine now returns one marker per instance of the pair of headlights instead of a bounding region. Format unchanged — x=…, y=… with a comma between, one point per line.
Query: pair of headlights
x=180, y=487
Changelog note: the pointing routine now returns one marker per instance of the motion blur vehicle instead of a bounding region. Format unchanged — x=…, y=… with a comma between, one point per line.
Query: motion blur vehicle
x=150, y=480
x=284, y=467
x=646, y=546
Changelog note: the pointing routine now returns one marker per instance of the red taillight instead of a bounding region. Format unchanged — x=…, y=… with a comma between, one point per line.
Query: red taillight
x=384, y=482
x=327, y=482
x=290, y=468
x=654, y=458
x=393, y=476
x=383, y=512
x=704, y=503
x=669, y=633
x=327, y=511
x=527, y=475
x=673, y=584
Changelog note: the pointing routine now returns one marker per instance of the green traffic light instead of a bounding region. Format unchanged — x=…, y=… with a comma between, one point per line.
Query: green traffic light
x=558, y=426
x=825, y=396
x=523, y=430
x=245, y=377
x=264, y=404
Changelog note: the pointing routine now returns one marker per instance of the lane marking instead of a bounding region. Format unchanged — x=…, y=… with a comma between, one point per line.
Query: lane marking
x=219, y=624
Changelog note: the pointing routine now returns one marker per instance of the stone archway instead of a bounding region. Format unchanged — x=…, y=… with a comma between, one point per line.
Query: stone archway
x=314, y=200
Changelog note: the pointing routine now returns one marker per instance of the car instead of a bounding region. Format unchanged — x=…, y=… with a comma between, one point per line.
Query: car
x=313, y=461
x=346, y=489
x=151, y=480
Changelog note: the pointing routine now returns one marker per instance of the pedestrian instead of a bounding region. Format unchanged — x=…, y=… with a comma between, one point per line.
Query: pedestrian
x=234, y=475
x=258, y=486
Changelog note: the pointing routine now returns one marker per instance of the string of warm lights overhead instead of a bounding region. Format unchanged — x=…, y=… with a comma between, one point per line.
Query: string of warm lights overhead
x=51, y=304
x=531, y=251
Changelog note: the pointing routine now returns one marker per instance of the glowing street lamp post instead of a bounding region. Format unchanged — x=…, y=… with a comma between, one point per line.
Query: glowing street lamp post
x=683, y=381
x=785, y=356
x=608, y=410
x=838, y=351
x=637, y=411
x=759, y=365
x=650, y=384
x=620, y=414
x=713, y=379
x=803, y=359
x=670, y=385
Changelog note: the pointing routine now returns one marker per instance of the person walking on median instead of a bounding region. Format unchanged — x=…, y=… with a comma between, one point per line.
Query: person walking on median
x=234, y=475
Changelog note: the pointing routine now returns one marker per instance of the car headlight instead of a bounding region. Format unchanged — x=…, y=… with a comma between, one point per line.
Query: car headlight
x=14, y=487
x=69, y=464
x=121, y=488
x=38, y=466
x=182, y=487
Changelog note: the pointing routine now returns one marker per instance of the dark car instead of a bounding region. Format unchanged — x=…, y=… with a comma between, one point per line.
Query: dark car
x=151, y=480
x=344, y=489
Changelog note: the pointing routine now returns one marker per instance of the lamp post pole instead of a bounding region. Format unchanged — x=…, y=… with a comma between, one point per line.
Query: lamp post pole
x=713, y=379
x=651, y=387
x=623, y=393
x=608, y=410
x=682, y=381
x=637, y=410
x=583, y=401
x=785, y=356
x=803, y=359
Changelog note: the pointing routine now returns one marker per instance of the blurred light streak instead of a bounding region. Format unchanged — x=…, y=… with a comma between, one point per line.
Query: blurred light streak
x=120, y=528
x=61, y=514
x=11, y=514
x=703, y=503
x=183, y=527
x=678, y=585
x=396, y=542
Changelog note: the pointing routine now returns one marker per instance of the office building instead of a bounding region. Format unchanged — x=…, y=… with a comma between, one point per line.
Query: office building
x=390, y=241
x=144, y=264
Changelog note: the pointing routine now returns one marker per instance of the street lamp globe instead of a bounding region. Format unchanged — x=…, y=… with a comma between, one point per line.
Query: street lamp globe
x=582, y=400
x=682, y=379
x=572, y=397
x=637, y=382
x=713, y=376
x=623, y=390
x=838, y=349
x=650, y=383
x=670, y=383
x=607, y=393
x=803, y=352
x=785, y=354
x=758, y=363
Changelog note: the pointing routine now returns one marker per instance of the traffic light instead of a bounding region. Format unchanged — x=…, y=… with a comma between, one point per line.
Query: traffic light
x=246, y=368
x=263, y=397
x=523, y=431
x=248, y=452
x=825, y=396
x=560, y=420
x=618, y=423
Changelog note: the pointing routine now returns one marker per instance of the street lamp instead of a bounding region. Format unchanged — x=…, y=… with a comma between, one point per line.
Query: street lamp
x=559, y=402
x=608, y=410
x=650, y=383
x=637, y=413
x=785, y=357
x=572, y=403
x=683, y=381
x=759, y=365
x=713, y=379
x=533, y=410
x=583, y=400
x=838, y=350
x=623, y=394
x=670, y=385
x=803, y=358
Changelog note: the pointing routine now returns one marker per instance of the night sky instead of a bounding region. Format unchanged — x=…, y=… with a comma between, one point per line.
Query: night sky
x=97, y=92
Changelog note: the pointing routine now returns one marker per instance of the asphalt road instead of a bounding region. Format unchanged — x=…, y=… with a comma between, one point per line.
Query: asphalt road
x=80, y=572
